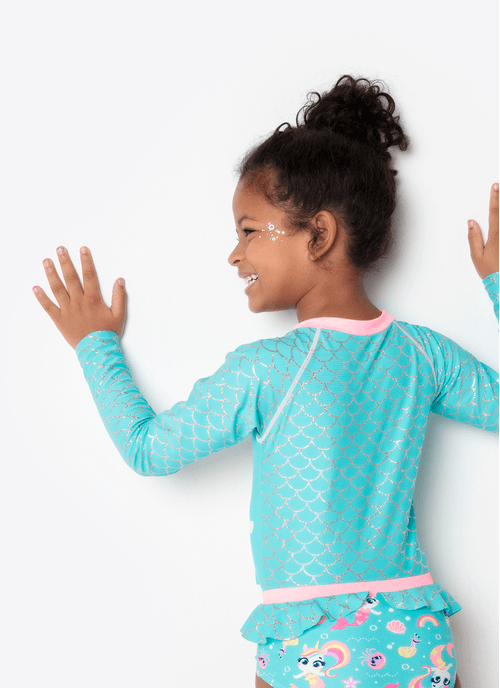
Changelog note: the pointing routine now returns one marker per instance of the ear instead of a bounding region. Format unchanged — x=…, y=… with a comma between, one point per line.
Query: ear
x=324, y=232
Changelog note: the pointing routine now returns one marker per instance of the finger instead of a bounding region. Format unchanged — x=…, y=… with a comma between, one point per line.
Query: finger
x=73, y=284
x=48, y=305
x=119, y=300
x=55, y=282
x=493, y=228
x=476, y=243
x=90, y=281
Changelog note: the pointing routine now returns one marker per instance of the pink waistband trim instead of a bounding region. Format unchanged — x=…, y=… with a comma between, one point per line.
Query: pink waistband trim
x=308, y=592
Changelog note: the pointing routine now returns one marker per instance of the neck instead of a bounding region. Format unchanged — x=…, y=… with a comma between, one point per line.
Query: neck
x=337, y=298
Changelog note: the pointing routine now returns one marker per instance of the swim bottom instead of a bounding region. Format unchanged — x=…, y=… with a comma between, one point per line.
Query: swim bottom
x=377, y=647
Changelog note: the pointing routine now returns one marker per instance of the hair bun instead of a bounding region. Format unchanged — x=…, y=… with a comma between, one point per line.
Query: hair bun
x=358, y=109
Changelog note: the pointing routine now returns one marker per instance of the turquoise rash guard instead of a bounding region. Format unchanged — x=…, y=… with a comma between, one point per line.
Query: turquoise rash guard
x=337, y=410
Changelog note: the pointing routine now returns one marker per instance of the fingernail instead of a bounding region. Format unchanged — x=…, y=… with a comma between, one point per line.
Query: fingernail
x=84, y=249
x=35, y=289
x=60, y=250
x=46, y=263
x=470, y=224
x=121, y=281
x=495, y=186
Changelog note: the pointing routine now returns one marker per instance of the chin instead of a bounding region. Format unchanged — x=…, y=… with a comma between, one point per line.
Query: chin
x=268, y=308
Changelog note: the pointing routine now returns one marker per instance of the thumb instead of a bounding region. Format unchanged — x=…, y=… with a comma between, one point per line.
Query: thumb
x=475, y=241
x=119, y=299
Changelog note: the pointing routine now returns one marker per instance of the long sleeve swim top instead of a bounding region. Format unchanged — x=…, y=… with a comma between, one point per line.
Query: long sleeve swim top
x=337, y=410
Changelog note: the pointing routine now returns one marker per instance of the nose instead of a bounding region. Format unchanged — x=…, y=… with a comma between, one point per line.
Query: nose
x=236, y=255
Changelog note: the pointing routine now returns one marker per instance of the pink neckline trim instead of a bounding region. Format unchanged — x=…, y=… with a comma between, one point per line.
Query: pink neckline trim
x=350, y=326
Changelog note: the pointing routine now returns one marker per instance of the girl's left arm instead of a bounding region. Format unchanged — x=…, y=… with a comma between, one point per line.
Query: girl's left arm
x=81, y=308
x=220, y=411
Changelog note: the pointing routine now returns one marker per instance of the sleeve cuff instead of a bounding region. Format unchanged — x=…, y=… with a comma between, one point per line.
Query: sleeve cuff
x=88, y=341
x=490, y=279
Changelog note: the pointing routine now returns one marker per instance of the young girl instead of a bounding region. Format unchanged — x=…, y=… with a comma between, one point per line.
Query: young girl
x=337, y=408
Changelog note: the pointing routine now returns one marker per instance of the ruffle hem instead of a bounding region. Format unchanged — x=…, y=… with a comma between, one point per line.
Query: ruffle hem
x=290, y=619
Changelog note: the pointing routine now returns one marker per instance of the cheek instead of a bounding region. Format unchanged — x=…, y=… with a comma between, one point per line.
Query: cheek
x=274, y=231
x=263, y=251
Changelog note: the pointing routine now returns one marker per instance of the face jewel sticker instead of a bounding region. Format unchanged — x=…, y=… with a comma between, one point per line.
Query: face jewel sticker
x=272, y=231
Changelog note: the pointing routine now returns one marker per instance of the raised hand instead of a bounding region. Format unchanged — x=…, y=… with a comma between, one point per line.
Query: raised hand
x=81, y=309
x=485, y=255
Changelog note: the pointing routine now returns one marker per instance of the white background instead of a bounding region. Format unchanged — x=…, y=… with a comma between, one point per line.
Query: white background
x=121, y=124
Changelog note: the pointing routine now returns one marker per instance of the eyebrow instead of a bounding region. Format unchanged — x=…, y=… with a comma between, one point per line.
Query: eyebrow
x=245, y=217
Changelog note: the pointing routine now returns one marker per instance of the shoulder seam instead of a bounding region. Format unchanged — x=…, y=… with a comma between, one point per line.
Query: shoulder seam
x=292, y=386
x=419, y=346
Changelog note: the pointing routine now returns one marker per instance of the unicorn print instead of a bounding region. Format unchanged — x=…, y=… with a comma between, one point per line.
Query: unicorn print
x=312, y=662
x=440, y=675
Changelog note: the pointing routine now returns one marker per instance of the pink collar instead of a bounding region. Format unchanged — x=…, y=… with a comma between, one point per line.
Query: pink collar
x=350, y=326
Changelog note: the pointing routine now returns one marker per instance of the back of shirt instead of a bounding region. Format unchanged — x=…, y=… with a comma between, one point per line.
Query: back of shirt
x=337, y=410
x=340, y=441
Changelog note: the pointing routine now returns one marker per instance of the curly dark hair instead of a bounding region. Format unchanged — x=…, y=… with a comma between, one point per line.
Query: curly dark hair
x=338, y=160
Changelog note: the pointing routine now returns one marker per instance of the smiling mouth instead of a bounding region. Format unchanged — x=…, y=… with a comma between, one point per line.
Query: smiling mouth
x=251, y=279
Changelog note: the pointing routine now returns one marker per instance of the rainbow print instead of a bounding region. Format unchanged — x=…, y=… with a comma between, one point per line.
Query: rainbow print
x=422, y=620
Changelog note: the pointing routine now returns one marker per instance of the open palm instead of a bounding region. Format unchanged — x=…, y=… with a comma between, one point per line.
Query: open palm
x=81, y=309
x=485, y=255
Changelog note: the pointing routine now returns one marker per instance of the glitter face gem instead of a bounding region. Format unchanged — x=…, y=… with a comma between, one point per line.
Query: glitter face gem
x=272, y=231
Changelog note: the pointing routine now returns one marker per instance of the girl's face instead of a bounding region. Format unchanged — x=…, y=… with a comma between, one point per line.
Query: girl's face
x=268, y=251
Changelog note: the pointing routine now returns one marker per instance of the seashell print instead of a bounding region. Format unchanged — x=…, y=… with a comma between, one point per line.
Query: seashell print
x=396, y=627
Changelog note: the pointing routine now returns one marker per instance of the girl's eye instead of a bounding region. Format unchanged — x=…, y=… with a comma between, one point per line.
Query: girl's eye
x=246, y=232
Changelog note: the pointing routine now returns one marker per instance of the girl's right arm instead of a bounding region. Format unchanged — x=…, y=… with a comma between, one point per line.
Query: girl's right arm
x=485, y=256
x=466, y=388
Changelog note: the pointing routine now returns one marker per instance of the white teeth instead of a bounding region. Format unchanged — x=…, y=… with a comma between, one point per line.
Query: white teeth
x=250, y=279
